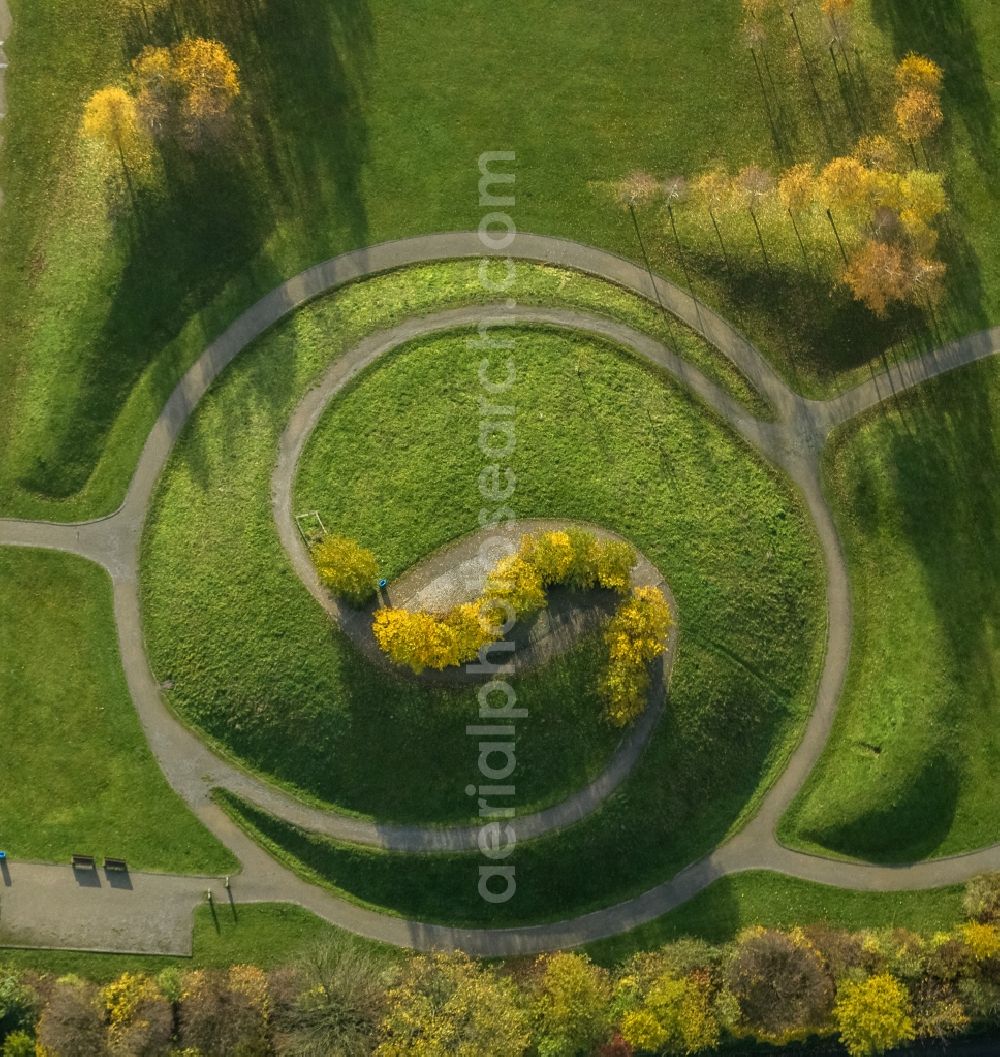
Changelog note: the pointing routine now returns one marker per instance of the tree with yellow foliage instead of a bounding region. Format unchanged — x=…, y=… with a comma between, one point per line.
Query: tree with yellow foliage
x=675, y=1017
x=187, y=90
x=918, y=115
x=636, y=635
x=209, y=83
x=873, y=1015
x=920, y=73
x=349, y=570
x=111, y=119
x=570, y=1005
x=447, y=1004
x=110, y=116
x=797, y=188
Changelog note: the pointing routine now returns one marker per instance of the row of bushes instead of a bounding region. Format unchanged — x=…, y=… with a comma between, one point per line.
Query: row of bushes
x=516, y=588
x=873, y=990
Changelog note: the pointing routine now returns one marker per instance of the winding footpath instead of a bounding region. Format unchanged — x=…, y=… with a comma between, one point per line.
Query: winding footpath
x=793, y=442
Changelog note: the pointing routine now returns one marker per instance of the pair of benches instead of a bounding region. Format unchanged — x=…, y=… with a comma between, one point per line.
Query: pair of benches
x=89, y=862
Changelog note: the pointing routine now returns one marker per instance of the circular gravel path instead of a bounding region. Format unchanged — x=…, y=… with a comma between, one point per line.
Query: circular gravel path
x=793, y=442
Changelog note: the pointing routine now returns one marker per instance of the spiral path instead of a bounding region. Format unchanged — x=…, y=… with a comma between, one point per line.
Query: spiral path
x=102, y=918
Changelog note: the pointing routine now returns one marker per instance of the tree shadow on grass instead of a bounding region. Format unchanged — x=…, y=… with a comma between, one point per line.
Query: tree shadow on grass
x=944, y=30
x=934, y=480
x=294, y=160
x=910, y=827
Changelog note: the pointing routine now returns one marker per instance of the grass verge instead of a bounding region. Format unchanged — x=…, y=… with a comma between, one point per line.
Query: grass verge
x=910, y=770
x=77, y=774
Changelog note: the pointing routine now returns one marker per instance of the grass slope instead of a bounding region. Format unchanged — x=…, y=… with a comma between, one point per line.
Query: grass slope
x=252, y=657
x=911, y=766
x=253, y=660
x=364, y=121
x=76, y=774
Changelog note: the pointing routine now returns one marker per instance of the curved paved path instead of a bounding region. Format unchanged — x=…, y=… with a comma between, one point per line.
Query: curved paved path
x=793, y=442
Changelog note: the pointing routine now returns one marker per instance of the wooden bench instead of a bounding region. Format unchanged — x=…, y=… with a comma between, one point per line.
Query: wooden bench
x=84, y=862
x=117, y=865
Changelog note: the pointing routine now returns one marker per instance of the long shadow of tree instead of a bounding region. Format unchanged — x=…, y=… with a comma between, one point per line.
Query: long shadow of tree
x=944, y=30
x=292, y=168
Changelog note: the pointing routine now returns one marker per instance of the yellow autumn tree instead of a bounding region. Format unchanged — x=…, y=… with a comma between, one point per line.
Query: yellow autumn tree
x=349, y=570
x=918, y=115
x=675, y=1017
x=797, y=188
x=919, y=72
x=209, y=83
x=922, y=199
x=156, y=88
x=517, y=582
x=844, y=184
x=448, y=1004
x=111, y=118
x=877, y=152
x=570, y=1004
x=873, y=1015
x=636, y=635
x=188, y=90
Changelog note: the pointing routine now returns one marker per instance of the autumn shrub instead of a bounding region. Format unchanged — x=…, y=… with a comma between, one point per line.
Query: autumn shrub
x=673, y=1015
x=551, y=554
x=421, y=640
x=517, y=582
x=349, y=570
x=571, y=1005
x=140, y=1020
x=873, y=1015
x=18, y=1003
x=224, y=1013
x=981, y=899
x=615, y=559
x=635, y=636
x=449, y=1004
x=19, y=1044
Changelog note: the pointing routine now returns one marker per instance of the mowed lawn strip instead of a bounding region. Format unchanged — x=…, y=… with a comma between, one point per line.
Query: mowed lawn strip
x=910, y=770
x=77, y=775
x=744, y=900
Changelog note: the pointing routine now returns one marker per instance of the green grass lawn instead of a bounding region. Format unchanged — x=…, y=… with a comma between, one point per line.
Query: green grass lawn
x=77, y=775
x=268, y=935
x=731, y=904
x=364, y=121
x=911, y=767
